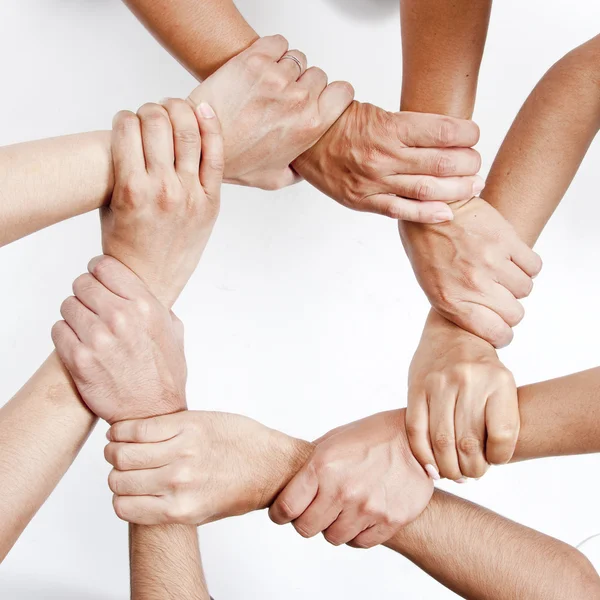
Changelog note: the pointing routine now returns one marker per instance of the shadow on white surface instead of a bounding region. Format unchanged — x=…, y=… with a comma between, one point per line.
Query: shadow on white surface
x=366, y=9
x=28, y=590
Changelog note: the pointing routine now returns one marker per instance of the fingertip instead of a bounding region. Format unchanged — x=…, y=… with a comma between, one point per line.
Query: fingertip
x=206, y=111
x=433, y=472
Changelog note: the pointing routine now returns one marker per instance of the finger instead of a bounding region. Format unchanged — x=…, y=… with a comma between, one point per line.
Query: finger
x=91, y=293
x=346, y=527
x=147, y=482
x=403, y=209
x=186, y=137
x=273, y=46
x=157, y=137
x=117, y=278
x=145, y=431
x=373, y=536
x=502, y=423
x=334, y=100
x=442, y=406
x=315, y=81
x=417, y=430
x=84, y=323
x=435, y=131
x=482, y=322
x=515, y=280
x=440, y=162
x=526, y=259
x=423, y=187
x=212, y=162
x=293, y=64
x=321, y=513
x=142, y=510
x=504, y=304
x=65, y=342
x=295, y=497
x=470, y=432
x=128, y=457
x=126, y=146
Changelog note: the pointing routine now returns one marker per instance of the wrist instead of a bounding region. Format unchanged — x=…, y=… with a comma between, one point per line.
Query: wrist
x=287, y=455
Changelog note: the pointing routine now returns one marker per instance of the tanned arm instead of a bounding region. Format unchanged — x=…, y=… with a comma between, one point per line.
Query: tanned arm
x=442, y=47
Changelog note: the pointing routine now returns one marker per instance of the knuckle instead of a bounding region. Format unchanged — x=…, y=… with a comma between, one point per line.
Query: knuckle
x=103, y=266
x=181, y=478
x=125, y=120
x=332, y=539
x=144, y=307
x=117, y=320
x=287, y=510
x=100, y=338
x=114, y=482
x=154, y=114
x=257, y=62
x=120, y=508
x=470, y=445
x=140, y=430
x=304, y=530
x=443, y=441
x=447, y=131
x=179, y=511
x=82, y=359
x=415, y=432
x=273, y=81
x=424, y=189
x=443, y=165
x=188, y=137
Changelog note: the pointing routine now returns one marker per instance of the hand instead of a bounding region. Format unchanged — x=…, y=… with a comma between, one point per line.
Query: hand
x=474, y=269
x=360, y=486
x=165, y=201
x=123, y=348
x=402, y=165
x=197, y=467
x=271, y=111
x=463, y=410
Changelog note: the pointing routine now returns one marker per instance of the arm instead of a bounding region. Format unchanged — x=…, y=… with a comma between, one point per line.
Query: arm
x=42, y=430
x=202, y=34
x=533, y=169
x=442, y=47
x=483, y=556
x=560, y=416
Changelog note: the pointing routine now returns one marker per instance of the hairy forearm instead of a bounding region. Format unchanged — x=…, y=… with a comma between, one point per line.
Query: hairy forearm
x=42, y=430
x=547, y=142
x=202, y=34
x=165, y=563
x=442, y=46
x=47, y=181
x=481, y=555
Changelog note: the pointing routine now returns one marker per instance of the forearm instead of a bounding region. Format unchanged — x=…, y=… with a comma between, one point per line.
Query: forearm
x=202, y=34
x=442, y=46
x=547, y=142
x=47, y=181
x=481, y=555
x=560, y=417
x=42, y=430
x=165, y=563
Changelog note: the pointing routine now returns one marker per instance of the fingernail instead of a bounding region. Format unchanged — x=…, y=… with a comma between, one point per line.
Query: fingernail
x=94, y=262
x=432, y=472
x=478, y=185
x=462, y=480
x=108, y=436
x=206, y=110
x=443, y=217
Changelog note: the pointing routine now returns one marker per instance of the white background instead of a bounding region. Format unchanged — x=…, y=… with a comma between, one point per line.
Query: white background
x=302, y=314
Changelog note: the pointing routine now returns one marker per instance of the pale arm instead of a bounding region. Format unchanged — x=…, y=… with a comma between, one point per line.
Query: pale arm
x=442, y=46
x=47, y=181
x=42, y=430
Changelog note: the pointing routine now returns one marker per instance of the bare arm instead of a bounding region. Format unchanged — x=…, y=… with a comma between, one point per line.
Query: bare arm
x=547, y=142
x=442, y=46
x=42, y=430
x=483, y=556
x=165, y=563
x=202, y=34
x=48, y=181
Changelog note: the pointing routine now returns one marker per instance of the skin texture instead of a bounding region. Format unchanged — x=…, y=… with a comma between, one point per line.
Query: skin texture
x=495, y=558
x=205, y=34
x=451, y=369
x=360, y=485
